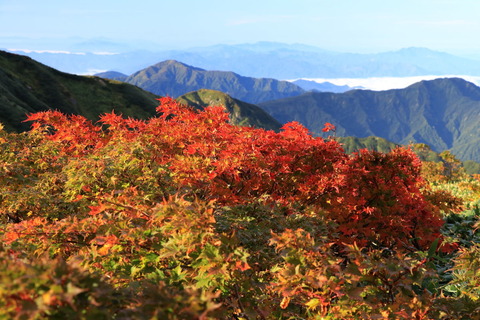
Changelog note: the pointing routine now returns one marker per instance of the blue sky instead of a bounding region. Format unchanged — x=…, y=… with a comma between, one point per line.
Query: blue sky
x=343, y=25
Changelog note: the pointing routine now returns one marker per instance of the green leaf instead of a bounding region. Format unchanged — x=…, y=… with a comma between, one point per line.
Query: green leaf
x=210, y=251
x=134, y=270
x=203, y=282
x=433, y=249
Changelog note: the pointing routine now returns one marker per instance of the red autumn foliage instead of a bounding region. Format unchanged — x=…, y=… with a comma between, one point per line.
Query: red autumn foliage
x=187, y=216
x=374, y=197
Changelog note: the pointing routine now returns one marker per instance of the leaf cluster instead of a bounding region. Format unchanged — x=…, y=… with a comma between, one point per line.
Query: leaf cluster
x=185, y=216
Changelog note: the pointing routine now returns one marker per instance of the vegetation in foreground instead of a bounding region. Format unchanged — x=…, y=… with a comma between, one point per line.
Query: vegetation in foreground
x=185, y=216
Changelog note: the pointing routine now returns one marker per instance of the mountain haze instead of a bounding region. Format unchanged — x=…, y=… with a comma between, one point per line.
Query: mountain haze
x=282, y=61
x=442, y=113
x=272, y=60
x=173, y=78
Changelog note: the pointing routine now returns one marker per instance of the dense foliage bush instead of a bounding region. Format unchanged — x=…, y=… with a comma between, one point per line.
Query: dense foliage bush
x=185, y=216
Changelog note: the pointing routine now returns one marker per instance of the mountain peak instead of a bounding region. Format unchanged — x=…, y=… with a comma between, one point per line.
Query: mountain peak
x=420, y=53
x=416, y=50
x=173, y=78
x=112, y=75
x=444, y=82
x=175, y=64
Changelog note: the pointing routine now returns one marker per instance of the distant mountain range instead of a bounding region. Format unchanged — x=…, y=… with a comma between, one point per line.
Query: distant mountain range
x=443, y=113
x=310, y=85
x=271, y=60
x=173, y=78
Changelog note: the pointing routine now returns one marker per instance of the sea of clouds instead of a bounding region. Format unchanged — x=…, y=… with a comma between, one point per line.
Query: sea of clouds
x=387, y=83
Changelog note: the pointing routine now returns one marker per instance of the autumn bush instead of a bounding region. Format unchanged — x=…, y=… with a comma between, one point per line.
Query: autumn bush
x=185, y=216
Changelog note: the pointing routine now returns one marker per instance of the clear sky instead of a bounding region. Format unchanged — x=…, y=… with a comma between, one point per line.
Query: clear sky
x=343, y=25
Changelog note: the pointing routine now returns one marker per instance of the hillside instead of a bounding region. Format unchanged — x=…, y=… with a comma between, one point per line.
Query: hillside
x=172, y=78
x=241, y=113
x=353, y=144
x=443, y=113
x=27, y=86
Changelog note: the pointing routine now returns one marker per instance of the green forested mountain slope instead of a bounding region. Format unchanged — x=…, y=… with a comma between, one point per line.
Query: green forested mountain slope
x=27, y=86
x=241, y=113
x=172, y=78
x=354, y=144
x=442, y=113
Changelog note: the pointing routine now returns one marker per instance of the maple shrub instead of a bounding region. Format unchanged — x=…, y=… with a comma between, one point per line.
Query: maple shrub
x=187, y=216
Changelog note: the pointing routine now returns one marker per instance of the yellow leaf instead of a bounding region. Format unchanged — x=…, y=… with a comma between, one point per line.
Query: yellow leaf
x=313, y=304
x=285, y=302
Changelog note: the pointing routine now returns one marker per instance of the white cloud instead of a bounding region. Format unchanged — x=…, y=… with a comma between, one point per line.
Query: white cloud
x=91, y=72
x=45, y=51
x=100, y=53
x=387, y=83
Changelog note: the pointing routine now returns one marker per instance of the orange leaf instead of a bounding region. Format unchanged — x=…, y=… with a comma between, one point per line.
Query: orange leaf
x=94, y=210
